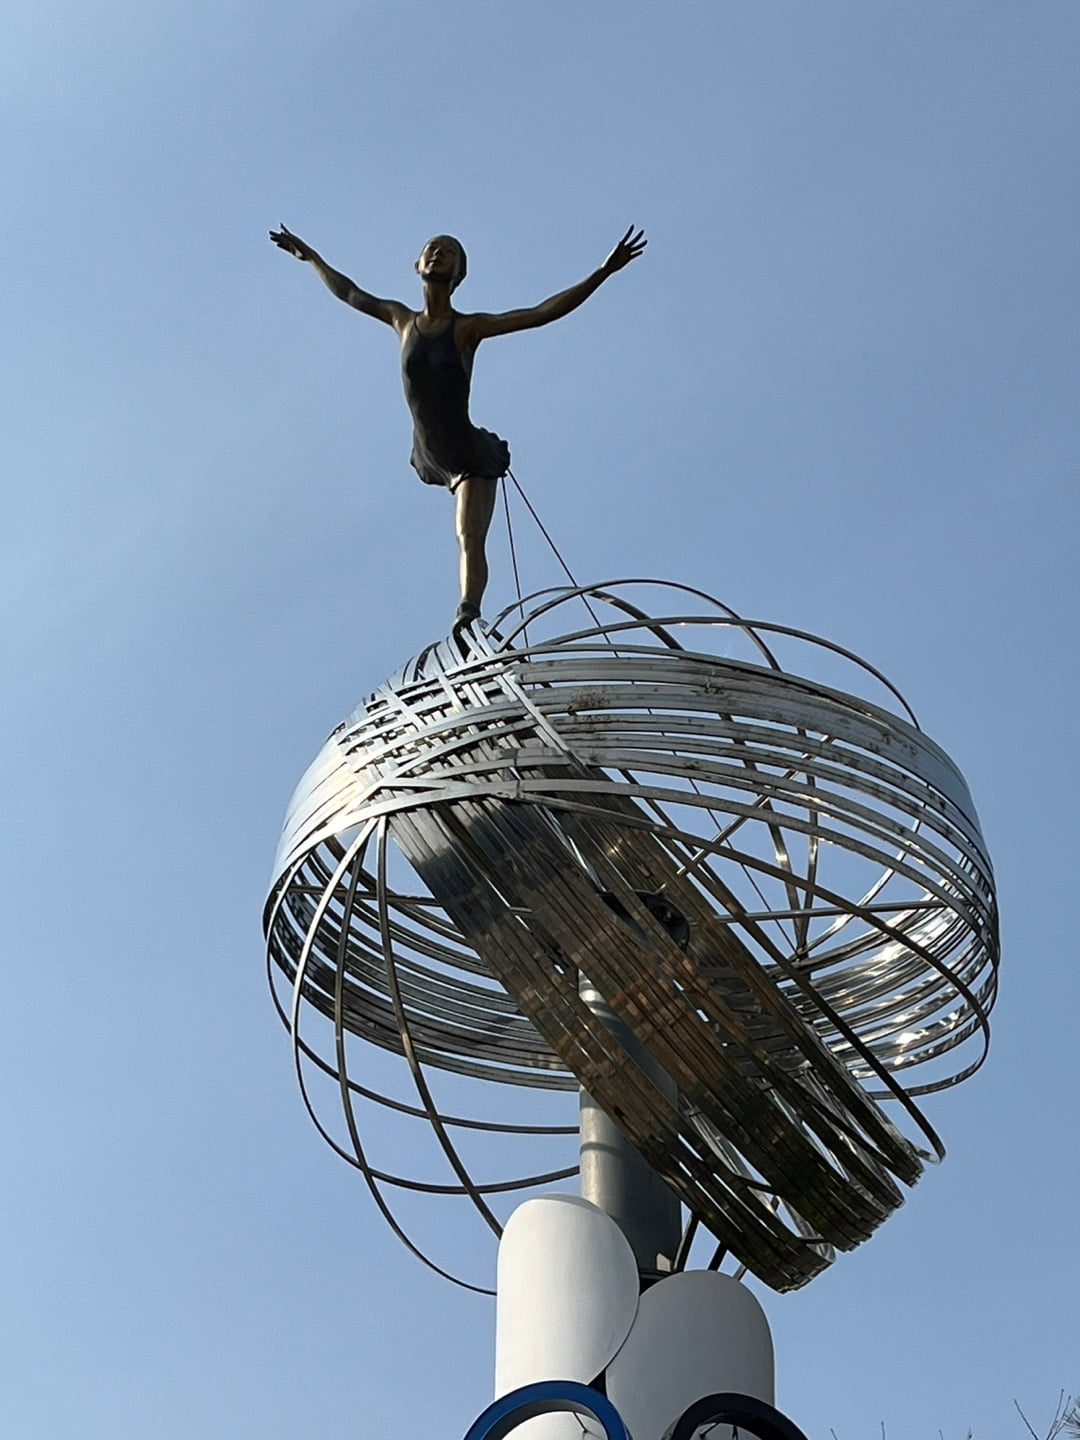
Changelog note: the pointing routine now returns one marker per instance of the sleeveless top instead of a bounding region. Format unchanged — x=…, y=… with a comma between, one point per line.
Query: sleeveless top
x=446, y=444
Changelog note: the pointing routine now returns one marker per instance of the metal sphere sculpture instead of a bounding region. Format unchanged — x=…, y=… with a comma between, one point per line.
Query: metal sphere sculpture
x=778, y=885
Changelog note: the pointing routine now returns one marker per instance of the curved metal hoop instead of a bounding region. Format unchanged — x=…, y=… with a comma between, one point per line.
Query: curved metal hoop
x=818, y=855
x=547, y=1397
x=729, y=1408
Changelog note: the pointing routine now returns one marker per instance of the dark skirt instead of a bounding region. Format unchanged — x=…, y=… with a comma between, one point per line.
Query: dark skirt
x=485, y=454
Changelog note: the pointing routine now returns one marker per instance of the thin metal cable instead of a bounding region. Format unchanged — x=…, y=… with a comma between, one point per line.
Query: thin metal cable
x=513, y=559
x=555, y=549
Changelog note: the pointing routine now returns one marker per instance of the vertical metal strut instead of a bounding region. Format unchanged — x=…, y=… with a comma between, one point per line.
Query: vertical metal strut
x=614, y=1175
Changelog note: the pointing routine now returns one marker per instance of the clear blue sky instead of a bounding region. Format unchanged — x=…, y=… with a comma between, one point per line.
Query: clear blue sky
x=839, y=392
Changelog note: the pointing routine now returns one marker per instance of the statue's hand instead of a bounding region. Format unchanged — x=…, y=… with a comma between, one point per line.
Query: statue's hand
x=291, y=243
x=629, y=248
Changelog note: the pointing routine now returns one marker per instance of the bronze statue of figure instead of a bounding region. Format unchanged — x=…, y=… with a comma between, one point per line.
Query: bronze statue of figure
x=437, y=349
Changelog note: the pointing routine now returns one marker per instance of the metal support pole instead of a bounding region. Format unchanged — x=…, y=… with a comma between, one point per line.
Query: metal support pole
x=615, y=1177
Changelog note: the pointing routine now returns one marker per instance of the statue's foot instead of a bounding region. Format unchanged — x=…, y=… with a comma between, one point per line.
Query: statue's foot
x=467, y=612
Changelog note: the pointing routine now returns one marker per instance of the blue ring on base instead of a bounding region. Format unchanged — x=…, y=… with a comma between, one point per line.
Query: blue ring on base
x=546, y=1397
x=745, y=1412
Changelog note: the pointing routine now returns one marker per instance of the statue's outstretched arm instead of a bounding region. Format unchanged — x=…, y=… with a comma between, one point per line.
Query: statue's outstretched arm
x=390, y=312
x=480, y=327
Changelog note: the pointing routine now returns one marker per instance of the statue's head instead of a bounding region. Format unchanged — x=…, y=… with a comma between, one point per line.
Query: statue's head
x=443, y=257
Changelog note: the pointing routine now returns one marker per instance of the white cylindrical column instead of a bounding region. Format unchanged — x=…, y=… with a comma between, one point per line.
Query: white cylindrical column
x=695, y=1334
x=569, y=1309
x=567, y=1297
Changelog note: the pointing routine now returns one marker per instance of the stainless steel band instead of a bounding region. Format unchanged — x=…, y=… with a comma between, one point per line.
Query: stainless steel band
x=554, y=786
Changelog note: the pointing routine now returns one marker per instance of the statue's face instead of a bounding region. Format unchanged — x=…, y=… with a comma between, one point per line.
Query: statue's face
x=440, y=259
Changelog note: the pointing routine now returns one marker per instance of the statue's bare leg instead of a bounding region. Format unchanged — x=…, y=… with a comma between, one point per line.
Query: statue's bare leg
x=475, y=497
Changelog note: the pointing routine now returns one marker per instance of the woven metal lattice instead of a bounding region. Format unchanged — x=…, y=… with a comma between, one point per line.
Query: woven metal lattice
x=779, y=884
